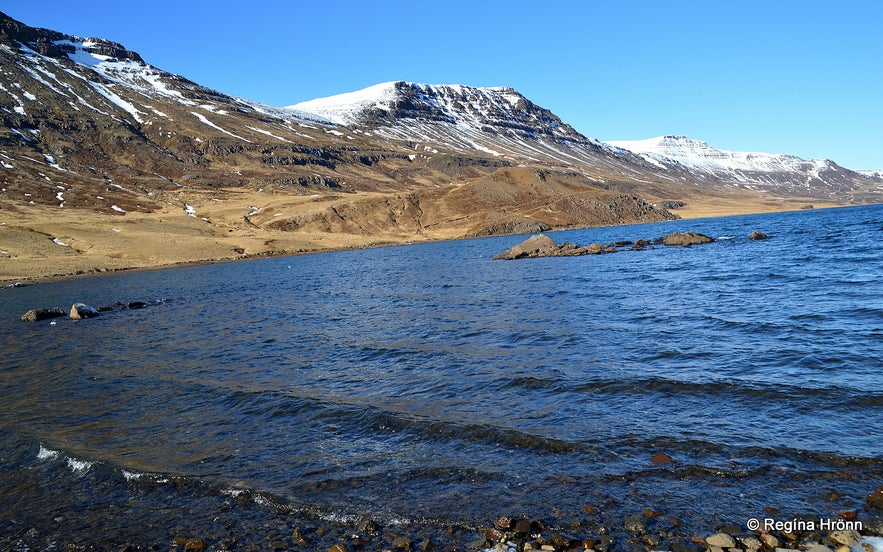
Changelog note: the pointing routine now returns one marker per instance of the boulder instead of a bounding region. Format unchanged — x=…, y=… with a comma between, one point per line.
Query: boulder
x=35, y=315
x=591, y=249
x=686, y=239
x=540, y=245
x=81, y=310
x=721, y=540
x=641, y=244
x=757, y=235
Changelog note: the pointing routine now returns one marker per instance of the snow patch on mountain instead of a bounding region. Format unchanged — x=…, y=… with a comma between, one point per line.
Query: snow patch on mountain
x=344, y=109
x=698, y=155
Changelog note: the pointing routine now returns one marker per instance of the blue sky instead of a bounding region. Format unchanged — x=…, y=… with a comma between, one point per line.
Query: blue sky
x=781, y=76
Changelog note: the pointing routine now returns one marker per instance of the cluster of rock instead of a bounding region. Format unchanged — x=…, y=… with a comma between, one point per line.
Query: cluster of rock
x=78, y=311
x=524, y=535
x=542, y=245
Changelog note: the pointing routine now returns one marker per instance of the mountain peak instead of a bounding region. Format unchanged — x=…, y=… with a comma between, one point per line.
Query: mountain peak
x=57, y=45
x=449, y=103
x=496, y=120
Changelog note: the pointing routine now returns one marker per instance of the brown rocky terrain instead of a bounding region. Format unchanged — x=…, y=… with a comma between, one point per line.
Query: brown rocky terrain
x=108, y=163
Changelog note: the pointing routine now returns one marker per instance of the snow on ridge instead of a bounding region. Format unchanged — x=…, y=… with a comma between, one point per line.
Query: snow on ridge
x=343, y=108
x=698, y=154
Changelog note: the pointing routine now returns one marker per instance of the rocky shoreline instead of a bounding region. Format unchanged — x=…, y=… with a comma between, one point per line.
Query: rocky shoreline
x=542, y=245
x=253, y=522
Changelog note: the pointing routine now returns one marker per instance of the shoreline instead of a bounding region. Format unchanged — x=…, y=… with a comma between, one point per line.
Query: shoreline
x=243, y=520
x=33, y=270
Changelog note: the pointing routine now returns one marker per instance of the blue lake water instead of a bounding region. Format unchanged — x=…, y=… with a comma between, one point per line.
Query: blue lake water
x=428, y=382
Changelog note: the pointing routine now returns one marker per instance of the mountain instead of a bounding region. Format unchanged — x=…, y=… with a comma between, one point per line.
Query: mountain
x=108, y=162
x=497, y=121
x=783, y=174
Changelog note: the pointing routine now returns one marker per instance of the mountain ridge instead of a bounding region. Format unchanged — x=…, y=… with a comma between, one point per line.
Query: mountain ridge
x=103, y=152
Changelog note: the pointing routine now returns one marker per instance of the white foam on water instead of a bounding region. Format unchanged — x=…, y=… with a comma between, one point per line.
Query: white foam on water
x=46, y=454
x=132, y=476
x=79, y=465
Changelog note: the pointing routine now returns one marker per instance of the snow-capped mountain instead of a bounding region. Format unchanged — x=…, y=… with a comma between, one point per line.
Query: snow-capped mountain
x=785, y=174
x=700, y=155
x=498, y=121
x=88, y=123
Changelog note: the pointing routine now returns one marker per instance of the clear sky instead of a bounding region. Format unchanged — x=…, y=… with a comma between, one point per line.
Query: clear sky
x=803, y=77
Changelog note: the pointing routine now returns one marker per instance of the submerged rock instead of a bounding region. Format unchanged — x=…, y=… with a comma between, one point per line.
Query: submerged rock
x=757, y=235
x=35, y=315
x=81, y=310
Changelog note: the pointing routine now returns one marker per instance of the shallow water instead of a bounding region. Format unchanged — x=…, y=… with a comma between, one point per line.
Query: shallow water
x=428, y=382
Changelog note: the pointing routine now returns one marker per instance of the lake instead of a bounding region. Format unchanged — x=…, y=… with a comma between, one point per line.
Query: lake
x=429, y=386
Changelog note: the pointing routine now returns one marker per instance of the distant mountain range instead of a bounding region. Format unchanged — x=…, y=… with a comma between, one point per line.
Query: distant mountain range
x=503, y=123
x=88, y=125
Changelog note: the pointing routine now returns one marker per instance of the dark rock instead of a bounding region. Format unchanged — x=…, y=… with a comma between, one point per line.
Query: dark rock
x=35, y=315
x=136, y=305
x=758, y=235
x=194, y=545
x=605, y=543
x=298, y=538
x=402, y=542
x=686, y=239
x=81, y=310
x=641, y=244
x=875, y=499
x=368, y=526
x=874, y=527
x=540, y=245
x=661, y=458
x=523, y=527
x=636, y=525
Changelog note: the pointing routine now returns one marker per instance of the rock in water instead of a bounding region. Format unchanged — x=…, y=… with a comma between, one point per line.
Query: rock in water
x=81, y=310
x=540, y=245
x=686, y=239
x=757, y=235
x=35, y=315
